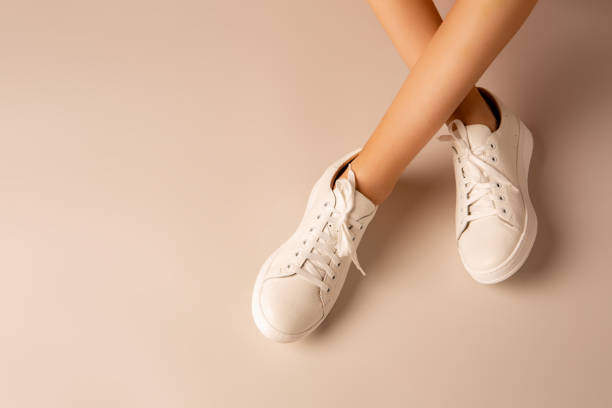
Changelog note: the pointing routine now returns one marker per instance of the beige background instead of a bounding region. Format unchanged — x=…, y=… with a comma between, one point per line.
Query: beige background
x=154, y=153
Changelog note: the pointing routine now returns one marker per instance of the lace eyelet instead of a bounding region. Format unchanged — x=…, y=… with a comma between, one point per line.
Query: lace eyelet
x=339, y=263
x=501, y=198
x=297, y=253
x=353, y=238
x=318, y=216
x=498, y=185
x=304, y=242
x=311, y=230
x=493, y=159
x=333, y=277
x=360, y=227
x=288, y=266
x=325, y=204
x=504, y=210
x=328, y=289
x=492, y=146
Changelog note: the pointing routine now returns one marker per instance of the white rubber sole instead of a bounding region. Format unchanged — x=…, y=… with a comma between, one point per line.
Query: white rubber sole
x=522, y=250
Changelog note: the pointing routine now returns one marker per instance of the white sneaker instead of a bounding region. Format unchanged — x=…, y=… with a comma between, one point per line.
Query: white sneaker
x=496, y=223
x=300, y=282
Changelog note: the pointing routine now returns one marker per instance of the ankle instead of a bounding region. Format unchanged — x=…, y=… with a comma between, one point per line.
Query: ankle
x=474, y=110
x=367, y=184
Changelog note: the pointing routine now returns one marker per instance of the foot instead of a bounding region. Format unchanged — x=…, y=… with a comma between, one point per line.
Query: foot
x=300, y=282
x=496, y=223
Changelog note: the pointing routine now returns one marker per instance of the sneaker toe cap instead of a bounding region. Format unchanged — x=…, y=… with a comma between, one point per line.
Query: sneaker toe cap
x=291, y=305
x=486, y=245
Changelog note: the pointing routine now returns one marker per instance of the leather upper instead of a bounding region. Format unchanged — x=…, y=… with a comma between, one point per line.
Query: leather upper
x=486, y=243
x=290, y=303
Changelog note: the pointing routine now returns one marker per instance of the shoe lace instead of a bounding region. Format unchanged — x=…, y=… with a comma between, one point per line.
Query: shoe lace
x=334, y=241
x=482, y=181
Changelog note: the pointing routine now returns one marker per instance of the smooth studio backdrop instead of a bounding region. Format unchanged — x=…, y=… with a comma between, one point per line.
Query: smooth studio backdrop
x=153, y=154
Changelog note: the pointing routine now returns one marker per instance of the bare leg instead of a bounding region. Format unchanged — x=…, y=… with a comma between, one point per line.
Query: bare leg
x=411, y=24
x=463, y=46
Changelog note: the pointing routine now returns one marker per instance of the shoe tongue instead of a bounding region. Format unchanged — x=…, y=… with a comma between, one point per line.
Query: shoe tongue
x=362, y=207
x=477, y=134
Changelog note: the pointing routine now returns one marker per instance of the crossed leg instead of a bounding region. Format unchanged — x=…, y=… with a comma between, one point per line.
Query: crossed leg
x=411, y=39
x=446, y=59
x=298, y=285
